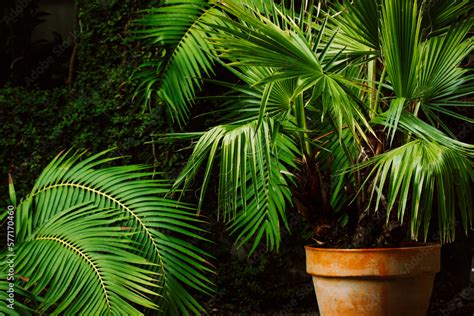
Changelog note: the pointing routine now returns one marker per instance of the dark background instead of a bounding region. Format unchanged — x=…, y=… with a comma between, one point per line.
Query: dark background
x=64, y=82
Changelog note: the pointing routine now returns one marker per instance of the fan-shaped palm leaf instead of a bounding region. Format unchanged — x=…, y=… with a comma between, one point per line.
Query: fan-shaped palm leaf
x=400, y=38
x=246, y=102
x=435, y=82
x=428, y=173
x=432, y=169
x=290, y=54
x=439, y=14
x=253, y=177
x=357, y=25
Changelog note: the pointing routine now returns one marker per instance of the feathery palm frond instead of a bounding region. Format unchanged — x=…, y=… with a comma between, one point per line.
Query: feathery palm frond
x=178, y=29
x=12, y=295
x=123, y=202
x=80, y=256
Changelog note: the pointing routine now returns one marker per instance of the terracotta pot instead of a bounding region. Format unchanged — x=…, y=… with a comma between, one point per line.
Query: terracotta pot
x=379, y=281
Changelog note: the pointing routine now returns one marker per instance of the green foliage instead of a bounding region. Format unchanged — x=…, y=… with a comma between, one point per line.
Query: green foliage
x=184, y=54
x=304, y=77
x=97, y=112
x=106, y=240
x=37, y=122
x=253, y=190
x=340, y=79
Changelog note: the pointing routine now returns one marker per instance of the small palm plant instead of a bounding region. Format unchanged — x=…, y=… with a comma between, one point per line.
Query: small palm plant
x=94, y=240
x=338, y=109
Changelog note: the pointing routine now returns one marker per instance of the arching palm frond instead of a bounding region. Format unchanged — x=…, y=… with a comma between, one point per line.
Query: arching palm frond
x=77, y=261
x=259, y=178
x=177, y=29
x=142, y=263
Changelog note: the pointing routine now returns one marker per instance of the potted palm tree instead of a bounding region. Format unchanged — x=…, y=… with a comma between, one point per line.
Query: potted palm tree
x=340, y=110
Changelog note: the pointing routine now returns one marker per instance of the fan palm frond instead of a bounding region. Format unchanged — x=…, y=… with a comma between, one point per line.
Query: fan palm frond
x=432, y=169
x=410, y=124
x=439, y=74
x=253, y=177
x=357, y=25
x=439, y=15
x=247, y=101
x=400, y=40
x=428, y=173
x=424, y=75
x=256, y=41
x=261, y=43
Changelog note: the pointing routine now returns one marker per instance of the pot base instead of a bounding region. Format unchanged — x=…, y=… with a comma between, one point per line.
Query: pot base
x=373, y=282
x=374, y=297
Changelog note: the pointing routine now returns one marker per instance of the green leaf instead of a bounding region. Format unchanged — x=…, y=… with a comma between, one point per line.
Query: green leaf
x=253, y=185
x=111, y=226
x=178, y=30
x=400, y=30
x=425, y=171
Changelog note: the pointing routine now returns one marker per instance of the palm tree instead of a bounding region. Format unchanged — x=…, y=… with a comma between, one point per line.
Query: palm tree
x=339, y=109
x=96, y=240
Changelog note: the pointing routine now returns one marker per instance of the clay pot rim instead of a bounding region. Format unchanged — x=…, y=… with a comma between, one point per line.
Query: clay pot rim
x=414, y=246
